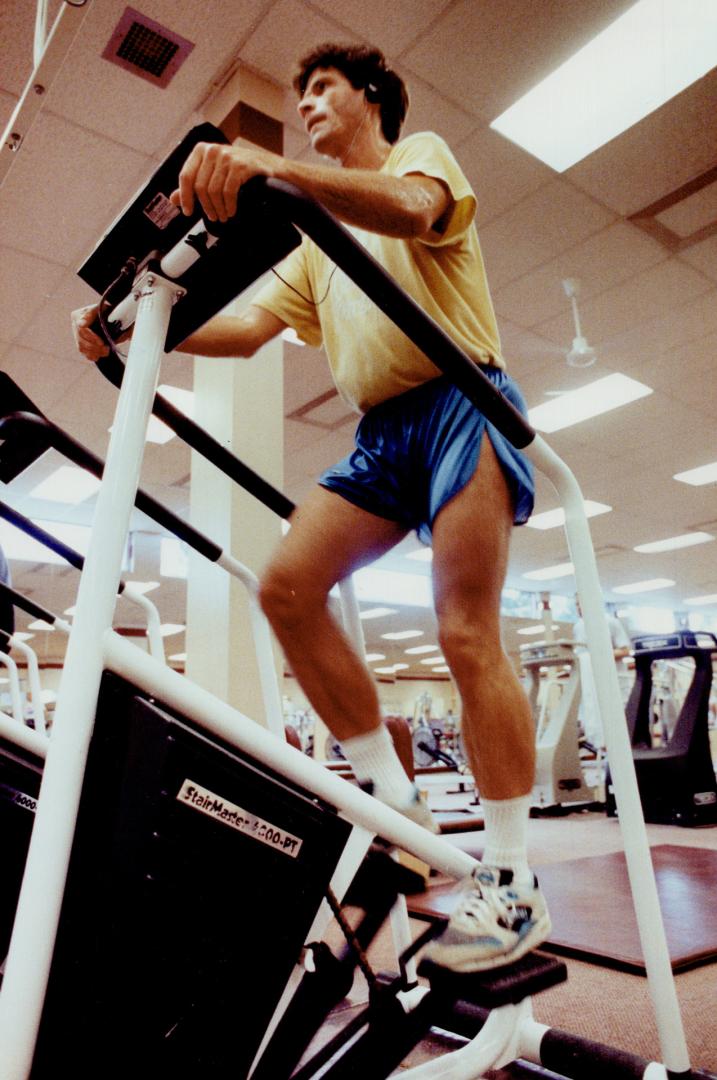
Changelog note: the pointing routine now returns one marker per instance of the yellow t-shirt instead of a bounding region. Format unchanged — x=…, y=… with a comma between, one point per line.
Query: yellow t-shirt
x=370, y=358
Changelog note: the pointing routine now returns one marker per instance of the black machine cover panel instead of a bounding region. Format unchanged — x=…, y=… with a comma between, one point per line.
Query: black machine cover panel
x=195, y=876
x=253, y=241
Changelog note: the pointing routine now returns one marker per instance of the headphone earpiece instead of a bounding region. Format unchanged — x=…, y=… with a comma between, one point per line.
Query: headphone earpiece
x=372, y=94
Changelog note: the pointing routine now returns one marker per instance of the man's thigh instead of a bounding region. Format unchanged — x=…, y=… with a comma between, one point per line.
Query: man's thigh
x=471, y=540
x=330, y=538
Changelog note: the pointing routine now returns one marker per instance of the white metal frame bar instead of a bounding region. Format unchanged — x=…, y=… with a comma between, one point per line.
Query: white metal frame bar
x=50, y=53
x=651, y=928
x=14, y=686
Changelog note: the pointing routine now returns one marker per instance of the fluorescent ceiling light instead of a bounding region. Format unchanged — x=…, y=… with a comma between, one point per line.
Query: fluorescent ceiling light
x=402, y=635
x=392, y=587
x=530, y=631
x=597, y=397
x=644, y=586
x=424, y=554
x=400, y=667
x=40, y=624
x=66, y=484
x=708, y=598
x=704, y=474
x=551, y=519
x=18, y=545
x=674, y=542
x=434, y=660
x=649, y=54
x=22, y=636
x=547, y=573
x=179, y=657
x=376, y=612
x=384, y=670
x=167, y=629
x=372, y=656
x=442, y=668
x=71, y=610
x=415, y=650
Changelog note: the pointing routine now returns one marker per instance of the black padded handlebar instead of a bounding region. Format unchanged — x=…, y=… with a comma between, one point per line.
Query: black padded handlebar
x=340, y=246
x=23, y=602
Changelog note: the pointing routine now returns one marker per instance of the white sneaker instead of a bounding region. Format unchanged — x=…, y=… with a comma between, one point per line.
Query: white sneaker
x=416, y=809
x=495, y=923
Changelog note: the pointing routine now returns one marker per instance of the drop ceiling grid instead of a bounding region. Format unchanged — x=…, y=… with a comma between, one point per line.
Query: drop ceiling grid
x=649, y=296
x=93, y=175
x=538, y=228
x=606, y=259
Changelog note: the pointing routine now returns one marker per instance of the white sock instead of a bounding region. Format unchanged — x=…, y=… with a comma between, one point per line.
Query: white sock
x=373, y=758
x=506, y=835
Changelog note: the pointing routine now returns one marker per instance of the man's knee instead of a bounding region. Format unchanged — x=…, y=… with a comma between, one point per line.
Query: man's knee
x=286, y=598
x=469, y=645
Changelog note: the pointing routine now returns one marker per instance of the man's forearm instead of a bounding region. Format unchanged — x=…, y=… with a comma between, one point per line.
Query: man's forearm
x=233, y=335
x=402, y=206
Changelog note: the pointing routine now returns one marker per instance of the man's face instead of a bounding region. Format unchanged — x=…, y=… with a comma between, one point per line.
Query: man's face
x=331, y=109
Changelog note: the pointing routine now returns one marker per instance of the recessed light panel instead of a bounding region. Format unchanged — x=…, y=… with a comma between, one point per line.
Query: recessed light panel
x=595, y=398
x=704, y=474
x=672, y=543
x=644, y=586
x=649, y=54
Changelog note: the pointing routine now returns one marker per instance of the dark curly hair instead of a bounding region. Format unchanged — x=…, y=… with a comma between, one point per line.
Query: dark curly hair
x=364, y=67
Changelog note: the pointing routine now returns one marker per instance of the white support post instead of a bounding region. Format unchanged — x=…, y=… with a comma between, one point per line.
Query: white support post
x=271, y=693
x=38, y=911
x=627, y=796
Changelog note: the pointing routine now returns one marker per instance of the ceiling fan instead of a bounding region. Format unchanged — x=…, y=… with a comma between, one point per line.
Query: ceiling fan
x=580, y=354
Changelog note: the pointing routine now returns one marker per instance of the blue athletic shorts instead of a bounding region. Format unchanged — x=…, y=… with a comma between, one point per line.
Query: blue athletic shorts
x=415, y=451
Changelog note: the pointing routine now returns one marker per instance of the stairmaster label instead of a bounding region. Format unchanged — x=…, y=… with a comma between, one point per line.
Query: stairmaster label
x=18, y=798
x=214, y=806
x=161, y=211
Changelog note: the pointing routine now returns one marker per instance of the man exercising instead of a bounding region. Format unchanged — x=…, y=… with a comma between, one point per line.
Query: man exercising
x=420, y=459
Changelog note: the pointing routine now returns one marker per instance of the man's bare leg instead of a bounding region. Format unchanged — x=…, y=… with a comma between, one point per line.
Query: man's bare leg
x=329, y=539
x=502, y=913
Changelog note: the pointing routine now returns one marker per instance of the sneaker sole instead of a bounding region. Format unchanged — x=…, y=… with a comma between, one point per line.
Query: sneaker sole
x=453, y=958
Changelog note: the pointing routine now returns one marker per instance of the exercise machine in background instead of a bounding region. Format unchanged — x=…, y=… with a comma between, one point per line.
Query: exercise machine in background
x=676, y=778
x=559, y=776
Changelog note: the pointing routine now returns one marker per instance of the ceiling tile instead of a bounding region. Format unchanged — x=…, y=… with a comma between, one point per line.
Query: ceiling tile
x=25, y=289
x=408, y=18
x=274, y=51
x=703, y=257
x=501, y=173
x=671, y=146
x=86, y=181
x=430, y=111
x=604, y=260
x=538, y=228
x=148, y=113
x=485, y=55
x=650, y=295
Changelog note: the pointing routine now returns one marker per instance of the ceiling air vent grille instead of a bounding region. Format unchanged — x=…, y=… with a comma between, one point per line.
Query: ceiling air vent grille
x=146, y=48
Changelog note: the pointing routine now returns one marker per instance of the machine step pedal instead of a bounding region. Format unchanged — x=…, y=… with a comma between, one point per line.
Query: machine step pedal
x=507, y=985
